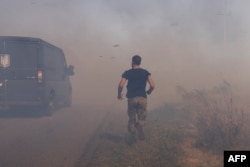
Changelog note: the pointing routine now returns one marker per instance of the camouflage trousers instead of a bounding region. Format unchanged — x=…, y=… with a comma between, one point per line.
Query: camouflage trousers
x=137, y=113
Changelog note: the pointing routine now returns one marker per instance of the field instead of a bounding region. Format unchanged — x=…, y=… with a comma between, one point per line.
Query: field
x=175, y=137
x=171, y=142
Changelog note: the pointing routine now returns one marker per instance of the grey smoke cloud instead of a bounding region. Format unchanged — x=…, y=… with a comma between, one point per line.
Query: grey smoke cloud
x=193, y=43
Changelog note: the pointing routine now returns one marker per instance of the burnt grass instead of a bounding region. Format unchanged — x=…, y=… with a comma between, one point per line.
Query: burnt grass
x=169, y=142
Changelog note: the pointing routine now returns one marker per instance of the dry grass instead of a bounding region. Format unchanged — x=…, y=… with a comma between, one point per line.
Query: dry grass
x=193, y=133
x=220, y=125
x=160, y=149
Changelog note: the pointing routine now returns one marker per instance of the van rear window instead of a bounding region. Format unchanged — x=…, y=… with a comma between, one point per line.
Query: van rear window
x=22, y=54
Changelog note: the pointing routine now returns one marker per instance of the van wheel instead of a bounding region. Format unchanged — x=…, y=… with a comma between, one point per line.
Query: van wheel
x=50, y=105
x=49, y=108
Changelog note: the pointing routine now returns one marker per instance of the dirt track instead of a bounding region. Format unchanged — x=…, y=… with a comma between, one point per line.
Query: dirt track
x=110, y=131
x=29, y=139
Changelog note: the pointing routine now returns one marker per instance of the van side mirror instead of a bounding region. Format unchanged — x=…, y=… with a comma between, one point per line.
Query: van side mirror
x=70, y=70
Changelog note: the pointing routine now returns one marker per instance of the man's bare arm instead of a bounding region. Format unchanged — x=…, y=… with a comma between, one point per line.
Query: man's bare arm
x=120, y=88
x=151, y=84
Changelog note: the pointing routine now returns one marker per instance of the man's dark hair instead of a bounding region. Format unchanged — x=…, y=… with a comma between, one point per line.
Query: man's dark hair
x=136, y=60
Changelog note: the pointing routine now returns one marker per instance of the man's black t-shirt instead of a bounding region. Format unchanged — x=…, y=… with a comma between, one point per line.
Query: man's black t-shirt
x=137, y=81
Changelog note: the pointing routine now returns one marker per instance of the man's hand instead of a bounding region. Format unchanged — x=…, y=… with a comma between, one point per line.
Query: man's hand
x=119, y=97
x=120, y=87
x=152, y=85
x=148, y=92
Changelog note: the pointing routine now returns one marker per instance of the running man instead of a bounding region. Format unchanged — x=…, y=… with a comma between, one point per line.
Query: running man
x=137, y=96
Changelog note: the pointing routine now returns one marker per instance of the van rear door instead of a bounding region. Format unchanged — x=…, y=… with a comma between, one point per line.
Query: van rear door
x=18, y=71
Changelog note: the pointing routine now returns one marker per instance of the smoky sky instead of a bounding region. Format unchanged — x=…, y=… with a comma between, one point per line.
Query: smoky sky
x=192, y=43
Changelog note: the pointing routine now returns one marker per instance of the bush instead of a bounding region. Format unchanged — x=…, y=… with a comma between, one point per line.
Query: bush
x=218, y=122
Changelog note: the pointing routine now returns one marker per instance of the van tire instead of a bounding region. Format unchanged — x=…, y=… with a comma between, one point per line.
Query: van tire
x=50, y=106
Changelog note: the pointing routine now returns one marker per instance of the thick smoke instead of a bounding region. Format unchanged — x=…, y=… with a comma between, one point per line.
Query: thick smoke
x=192, y=43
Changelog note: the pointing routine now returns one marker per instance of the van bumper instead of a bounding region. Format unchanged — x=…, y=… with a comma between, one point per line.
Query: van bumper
x=7, y=105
